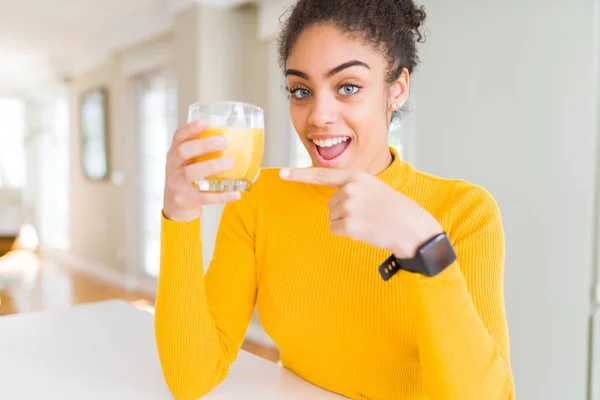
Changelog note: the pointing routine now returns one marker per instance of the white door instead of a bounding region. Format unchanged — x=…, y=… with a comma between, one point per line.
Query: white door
x=156, y=124
x=54, y=173
x=12, y=164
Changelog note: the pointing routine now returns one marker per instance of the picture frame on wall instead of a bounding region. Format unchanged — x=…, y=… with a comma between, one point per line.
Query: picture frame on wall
x=94, y=123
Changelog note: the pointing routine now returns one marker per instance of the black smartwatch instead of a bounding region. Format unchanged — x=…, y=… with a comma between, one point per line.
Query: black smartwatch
x=432, y=258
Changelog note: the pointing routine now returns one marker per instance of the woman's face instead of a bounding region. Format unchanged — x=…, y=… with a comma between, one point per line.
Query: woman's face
x=340, y=102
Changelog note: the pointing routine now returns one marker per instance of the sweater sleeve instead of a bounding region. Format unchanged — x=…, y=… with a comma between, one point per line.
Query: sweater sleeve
x=459, y=315
x=201, y=319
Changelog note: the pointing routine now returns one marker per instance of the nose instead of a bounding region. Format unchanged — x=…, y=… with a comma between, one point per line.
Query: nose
x=323, y=113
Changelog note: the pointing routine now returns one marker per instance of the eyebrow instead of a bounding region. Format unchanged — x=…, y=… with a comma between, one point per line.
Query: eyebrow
x=336, y=70
x=346, y=65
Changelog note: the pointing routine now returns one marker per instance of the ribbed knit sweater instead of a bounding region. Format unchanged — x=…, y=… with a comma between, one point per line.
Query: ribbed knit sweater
x=321, y=298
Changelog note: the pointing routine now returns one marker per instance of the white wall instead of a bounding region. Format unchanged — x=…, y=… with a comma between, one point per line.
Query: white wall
x=505, y=98
x=278, y=132
x=98, y=216
x=278, y=135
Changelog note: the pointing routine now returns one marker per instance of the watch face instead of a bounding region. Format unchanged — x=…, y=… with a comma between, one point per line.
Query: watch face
x=437, y=255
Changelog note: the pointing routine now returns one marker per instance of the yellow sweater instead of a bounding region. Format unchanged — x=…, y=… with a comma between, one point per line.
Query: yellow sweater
x=322, y=300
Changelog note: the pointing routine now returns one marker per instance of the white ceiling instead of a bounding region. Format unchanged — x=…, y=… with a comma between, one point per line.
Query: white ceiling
x=42, y=40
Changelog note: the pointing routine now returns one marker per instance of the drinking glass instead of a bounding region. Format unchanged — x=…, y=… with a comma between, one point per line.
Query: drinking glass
x=243, y=126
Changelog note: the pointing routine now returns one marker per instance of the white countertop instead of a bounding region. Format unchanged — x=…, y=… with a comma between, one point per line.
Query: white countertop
x=107, y=351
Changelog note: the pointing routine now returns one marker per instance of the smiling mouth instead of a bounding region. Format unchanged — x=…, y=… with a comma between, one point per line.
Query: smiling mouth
x=332, y=148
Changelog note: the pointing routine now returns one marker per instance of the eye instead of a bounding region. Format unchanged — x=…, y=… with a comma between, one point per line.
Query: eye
x=300, y=93
x=348, y=90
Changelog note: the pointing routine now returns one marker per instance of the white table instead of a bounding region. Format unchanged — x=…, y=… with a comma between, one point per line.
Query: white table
x=107, y=351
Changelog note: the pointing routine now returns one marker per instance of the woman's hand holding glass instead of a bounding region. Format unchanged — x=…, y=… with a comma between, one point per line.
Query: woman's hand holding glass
x=182, y=201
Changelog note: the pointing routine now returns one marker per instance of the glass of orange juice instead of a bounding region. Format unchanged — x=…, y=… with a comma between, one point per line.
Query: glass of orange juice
x=244, y=127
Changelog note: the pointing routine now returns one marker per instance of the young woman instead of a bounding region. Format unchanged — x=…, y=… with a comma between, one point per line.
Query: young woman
x=375, y=280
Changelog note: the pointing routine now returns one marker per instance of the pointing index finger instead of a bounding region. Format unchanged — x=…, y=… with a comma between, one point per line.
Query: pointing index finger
x=318, y=176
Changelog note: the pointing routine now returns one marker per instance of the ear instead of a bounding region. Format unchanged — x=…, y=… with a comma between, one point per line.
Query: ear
x=399, y=89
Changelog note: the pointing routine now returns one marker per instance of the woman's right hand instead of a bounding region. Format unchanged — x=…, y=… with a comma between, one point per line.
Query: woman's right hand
x=182, y=202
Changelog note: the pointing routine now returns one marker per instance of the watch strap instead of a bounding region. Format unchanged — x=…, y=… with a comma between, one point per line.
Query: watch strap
x=389, y=268
x=431, y=259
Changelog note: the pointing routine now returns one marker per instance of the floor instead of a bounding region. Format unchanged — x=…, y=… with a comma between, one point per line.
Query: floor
x=28, y=283
x=6, y=243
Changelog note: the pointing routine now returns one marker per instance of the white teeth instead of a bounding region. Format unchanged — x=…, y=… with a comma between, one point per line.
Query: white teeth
x=330, y=142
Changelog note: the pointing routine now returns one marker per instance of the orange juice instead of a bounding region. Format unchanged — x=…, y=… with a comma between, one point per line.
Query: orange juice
x=245, y=146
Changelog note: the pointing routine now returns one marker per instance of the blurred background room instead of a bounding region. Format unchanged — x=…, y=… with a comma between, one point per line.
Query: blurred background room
x=506, y=96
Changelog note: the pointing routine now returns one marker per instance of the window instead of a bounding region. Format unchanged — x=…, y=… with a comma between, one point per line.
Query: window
x=12, y=143
x=157, y=115
x=54, y=173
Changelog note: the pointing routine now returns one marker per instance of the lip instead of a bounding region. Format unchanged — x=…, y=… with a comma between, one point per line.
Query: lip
x=323, y=162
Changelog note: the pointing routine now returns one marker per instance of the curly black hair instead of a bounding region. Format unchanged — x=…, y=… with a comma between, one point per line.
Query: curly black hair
x=391, y=26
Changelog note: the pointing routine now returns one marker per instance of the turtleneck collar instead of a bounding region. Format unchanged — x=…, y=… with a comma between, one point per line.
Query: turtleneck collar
x=399, y=174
